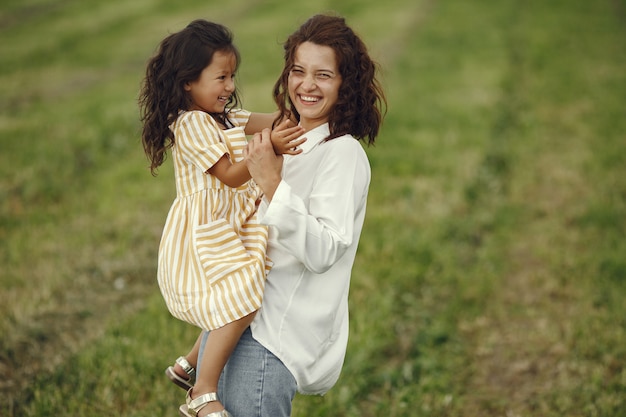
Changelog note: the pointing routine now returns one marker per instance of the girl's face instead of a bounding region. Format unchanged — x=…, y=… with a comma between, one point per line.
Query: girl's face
x=211, y=91
x=313, y=84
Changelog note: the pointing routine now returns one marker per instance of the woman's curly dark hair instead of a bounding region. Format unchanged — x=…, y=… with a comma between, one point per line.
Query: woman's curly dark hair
x=180, y=59
x=361, y=103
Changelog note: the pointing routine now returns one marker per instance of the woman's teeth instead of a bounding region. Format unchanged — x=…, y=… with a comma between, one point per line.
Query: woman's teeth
x=309, y=99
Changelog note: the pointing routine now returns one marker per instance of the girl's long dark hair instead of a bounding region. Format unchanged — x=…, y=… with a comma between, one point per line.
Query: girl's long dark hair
x=361, y=104
x=180, y=59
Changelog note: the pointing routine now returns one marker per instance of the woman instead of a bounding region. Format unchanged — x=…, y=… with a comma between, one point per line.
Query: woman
x=314, y=205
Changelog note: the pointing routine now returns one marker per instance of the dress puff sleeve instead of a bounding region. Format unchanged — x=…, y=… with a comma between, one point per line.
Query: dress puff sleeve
x=199, y=139
x=239, y=117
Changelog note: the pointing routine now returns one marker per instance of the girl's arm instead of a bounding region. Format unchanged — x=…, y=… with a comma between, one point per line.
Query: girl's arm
x=233, y=175
x=259, y=121
x=283, y=136
x=283, y=139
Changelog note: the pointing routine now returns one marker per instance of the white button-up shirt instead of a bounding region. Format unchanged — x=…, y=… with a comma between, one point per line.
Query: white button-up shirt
x=315, y=219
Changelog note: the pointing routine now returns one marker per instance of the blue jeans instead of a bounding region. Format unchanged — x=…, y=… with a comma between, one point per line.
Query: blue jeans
x=254, y=383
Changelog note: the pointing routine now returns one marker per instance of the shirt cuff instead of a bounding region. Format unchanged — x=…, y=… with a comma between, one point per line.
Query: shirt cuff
x=270, y=210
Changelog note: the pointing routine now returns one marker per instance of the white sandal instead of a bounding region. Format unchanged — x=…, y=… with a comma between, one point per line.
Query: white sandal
x=193, y=406
x=185, y=384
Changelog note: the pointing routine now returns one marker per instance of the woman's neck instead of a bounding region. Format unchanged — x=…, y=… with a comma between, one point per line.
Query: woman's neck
x=310, y=125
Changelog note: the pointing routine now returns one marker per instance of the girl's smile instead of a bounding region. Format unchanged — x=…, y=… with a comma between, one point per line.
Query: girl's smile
x=212, y=90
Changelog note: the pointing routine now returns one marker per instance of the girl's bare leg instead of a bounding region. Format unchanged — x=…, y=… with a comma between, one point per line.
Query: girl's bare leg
x=192, y=358
x=219, y=345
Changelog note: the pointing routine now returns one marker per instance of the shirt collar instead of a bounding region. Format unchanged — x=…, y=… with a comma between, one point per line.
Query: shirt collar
x=314, y=137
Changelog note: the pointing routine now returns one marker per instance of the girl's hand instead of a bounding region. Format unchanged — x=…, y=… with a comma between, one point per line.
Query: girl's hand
x=285, y=136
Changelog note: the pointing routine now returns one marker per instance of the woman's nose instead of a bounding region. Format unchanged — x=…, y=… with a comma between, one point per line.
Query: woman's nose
x=308, y=82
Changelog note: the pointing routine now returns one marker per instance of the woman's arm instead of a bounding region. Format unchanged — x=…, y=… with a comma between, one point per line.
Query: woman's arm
x=316, y=225
x=261, y=161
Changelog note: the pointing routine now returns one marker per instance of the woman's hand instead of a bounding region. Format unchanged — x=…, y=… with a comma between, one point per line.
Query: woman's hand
x=264, y=165
x=285, y=136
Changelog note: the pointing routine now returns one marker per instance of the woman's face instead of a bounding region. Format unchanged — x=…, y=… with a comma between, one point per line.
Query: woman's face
x=212, y=90
x=314, y=82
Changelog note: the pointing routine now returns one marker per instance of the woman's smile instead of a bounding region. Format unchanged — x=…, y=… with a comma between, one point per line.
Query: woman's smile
x=314, y=83
x=308, y=99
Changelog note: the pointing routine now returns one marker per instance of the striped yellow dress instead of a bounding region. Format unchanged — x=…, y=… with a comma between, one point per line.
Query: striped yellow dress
x=212, y=257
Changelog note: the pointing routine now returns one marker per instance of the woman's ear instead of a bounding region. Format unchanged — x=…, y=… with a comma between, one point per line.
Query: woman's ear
x=187, y=86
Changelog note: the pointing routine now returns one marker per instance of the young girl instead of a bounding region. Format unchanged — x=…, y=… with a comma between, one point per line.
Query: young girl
x=212, y=263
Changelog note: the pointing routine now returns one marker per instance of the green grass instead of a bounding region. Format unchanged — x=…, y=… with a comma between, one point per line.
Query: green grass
x=492, y=269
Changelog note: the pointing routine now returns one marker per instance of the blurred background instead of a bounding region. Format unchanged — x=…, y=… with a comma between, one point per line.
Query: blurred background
x=491, y=274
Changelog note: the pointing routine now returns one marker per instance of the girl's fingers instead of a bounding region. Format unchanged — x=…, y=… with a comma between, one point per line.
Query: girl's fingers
x=286, y=122
x=298, y=142
x=284, y=128
x=293, y=151
x=294, y=130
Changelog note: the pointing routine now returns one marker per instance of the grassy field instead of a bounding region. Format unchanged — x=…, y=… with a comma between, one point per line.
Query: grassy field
x=491, y=276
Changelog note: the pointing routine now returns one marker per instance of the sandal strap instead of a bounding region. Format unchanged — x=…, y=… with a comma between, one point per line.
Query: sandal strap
x=196, y=404
x=184, y=363
x=222, y=413
x=201, y=401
